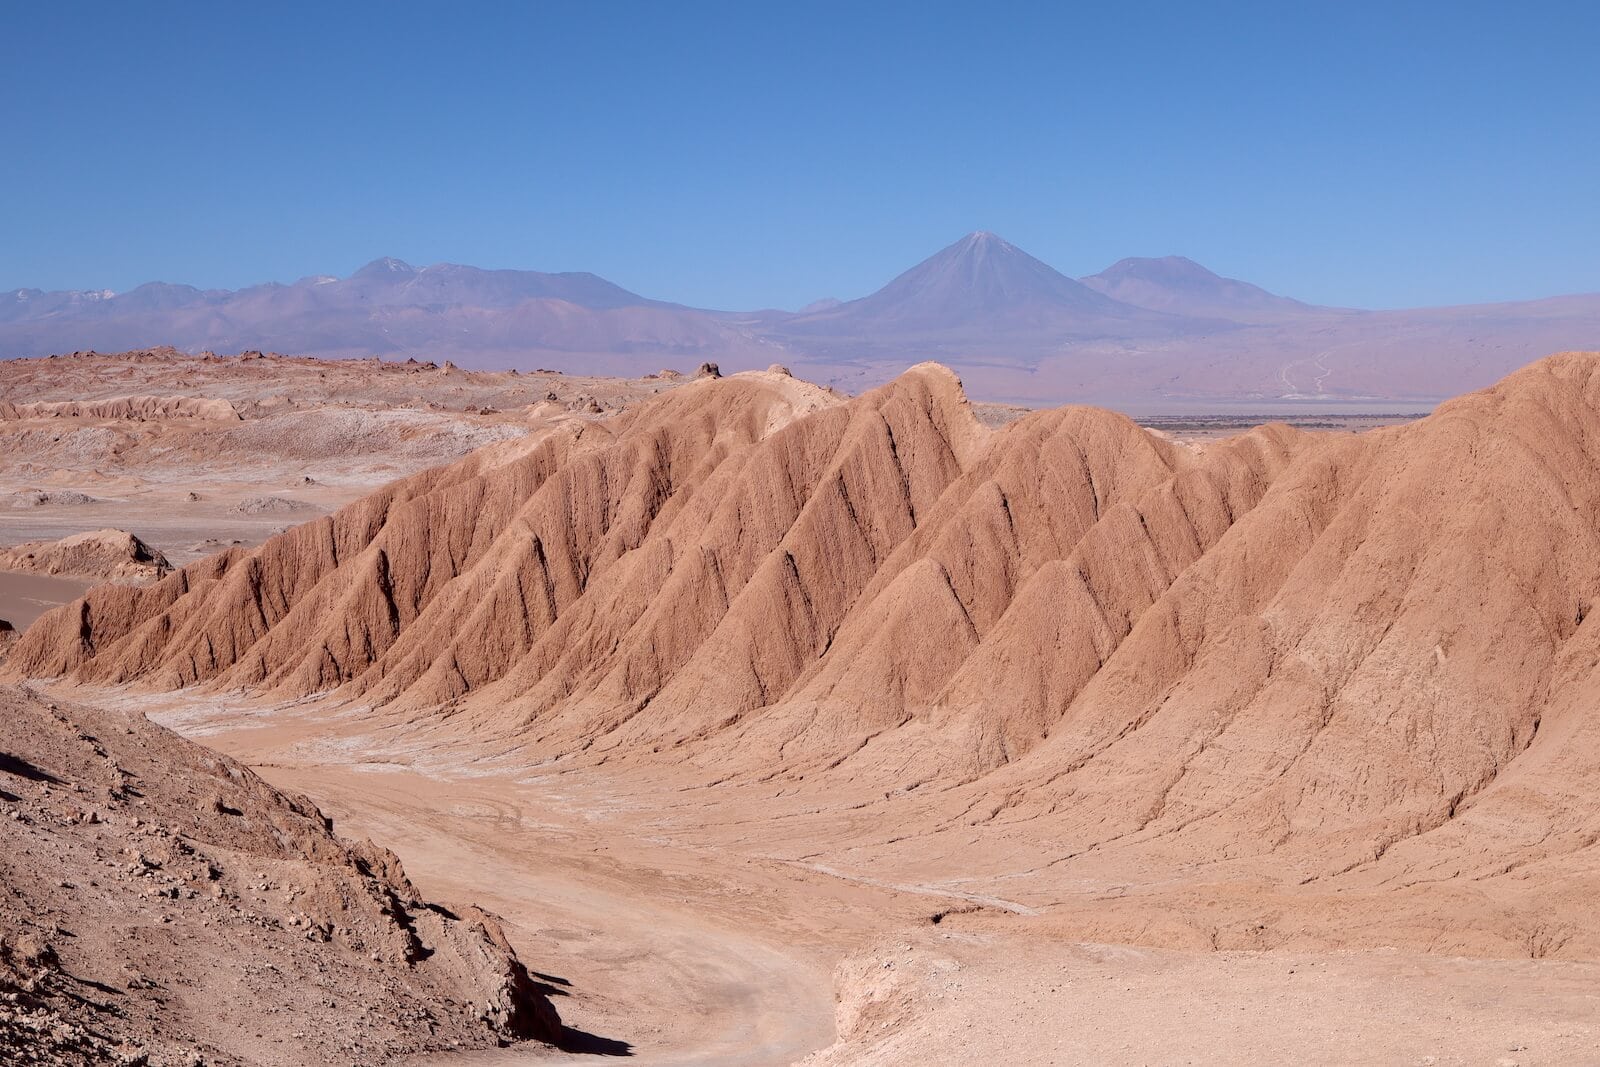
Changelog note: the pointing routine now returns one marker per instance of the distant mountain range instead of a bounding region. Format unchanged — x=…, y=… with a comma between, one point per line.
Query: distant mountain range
x=1144, y=333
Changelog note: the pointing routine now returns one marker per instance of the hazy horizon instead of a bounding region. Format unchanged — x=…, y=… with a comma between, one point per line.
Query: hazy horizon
x=737, y=159
x=312, y=276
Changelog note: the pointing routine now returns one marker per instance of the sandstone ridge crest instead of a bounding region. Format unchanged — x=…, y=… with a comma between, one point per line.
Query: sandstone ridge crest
x=1365, y=657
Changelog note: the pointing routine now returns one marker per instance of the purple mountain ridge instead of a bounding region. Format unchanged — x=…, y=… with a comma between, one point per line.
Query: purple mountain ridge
x=980, y=278
x=1183, y=287
x=1144, y=331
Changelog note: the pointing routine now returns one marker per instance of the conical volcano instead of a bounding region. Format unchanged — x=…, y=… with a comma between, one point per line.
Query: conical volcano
x=981, y=286
x=981, y=276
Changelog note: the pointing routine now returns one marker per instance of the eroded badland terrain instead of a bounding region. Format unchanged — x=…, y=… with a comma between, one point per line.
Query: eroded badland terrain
x=392, y=711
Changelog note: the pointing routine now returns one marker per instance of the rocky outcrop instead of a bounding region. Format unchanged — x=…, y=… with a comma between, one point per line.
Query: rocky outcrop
x=269, y=505
x=40, y=498
x=125, y=407
x=114, y=555
x=214, y=917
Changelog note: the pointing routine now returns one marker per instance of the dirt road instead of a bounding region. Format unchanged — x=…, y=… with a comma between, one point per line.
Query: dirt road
x=667, y=950
x=663, y=964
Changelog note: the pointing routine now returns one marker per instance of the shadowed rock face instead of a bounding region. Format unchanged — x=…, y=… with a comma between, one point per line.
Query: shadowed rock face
x=1365, y=657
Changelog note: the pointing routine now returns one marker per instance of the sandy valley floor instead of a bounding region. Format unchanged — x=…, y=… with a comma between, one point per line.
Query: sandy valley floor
x=669, y=952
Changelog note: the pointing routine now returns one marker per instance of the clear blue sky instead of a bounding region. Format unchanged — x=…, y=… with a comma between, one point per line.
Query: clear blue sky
x=747, y=155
